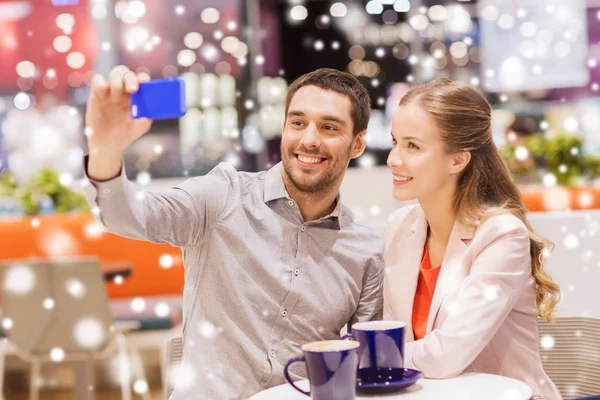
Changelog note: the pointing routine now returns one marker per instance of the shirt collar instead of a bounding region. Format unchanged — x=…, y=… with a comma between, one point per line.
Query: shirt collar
x=274, y=189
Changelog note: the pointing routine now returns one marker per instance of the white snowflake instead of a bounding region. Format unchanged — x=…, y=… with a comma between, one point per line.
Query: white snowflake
x=166, y=261
x=49, y=303
x=57, y=354
x=547, y=342
x=19, y=279
x=138, y=304
x=571, y=241
x=7, y=323
x=143, y=178
x=454, y=309
x=89, y=333
x=490, y=293
x=140, y=386
x=162, y=310
x=75, y=288
x=94, y=230
x=184, y=375
x=207, y=329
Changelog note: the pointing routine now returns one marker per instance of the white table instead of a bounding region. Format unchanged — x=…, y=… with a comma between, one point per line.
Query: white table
x=469, y=386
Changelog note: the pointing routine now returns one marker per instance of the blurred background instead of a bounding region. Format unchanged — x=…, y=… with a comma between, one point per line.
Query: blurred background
x=537, y=60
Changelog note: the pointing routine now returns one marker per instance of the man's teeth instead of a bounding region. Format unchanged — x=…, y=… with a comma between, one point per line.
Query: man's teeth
x=401, y=179
x=309, y=160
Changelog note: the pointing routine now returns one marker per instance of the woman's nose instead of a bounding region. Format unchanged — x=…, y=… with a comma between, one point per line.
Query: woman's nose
x=394, y=159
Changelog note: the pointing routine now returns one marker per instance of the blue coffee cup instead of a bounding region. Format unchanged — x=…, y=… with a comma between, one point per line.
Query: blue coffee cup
x=331, y=366
x=381, y=349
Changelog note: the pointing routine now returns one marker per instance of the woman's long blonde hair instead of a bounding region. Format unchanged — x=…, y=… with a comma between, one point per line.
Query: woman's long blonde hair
x=485, y=188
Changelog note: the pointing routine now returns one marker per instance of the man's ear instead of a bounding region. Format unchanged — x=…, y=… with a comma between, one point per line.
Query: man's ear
x=359, y=143
x=460, y=161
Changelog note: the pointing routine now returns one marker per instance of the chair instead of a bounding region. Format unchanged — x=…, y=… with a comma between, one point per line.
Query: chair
x=153, y=332
x=589, y=398
x=172, y=362
x=571, y=355
x=57, y=310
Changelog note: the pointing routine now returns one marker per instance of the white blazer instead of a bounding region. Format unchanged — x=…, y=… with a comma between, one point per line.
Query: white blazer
x=483, y=315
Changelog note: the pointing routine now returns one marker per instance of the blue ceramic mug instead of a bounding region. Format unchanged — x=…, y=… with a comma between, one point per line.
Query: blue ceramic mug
x=381, y=349
x=331, y=366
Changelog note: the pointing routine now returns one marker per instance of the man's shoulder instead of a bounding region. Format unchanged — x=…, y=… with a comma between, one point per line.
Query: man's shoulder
x=226, y=172
x=223, y=180
x=226, y=169
x=248, y=177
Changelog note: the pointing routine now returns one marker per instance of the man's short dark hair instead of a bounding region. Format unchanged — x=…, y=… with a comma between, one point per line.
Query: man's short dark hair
x=340, y=82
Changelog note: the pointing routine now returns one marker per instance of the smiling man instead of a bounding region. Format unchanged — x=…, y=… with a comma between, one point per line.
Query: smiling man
x=272, y=259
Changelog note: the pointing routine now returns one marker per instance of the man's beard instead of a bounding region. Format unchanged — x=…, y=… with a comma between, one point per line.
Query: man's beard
x=328, y=179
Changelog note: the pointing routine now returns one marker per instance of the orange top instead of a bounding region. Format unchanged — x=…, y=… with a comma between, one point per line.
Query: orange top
x=425, y=287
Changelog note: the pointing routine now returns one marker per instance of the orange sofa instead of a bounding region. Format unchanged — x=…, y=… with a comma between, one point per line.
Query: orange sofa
x=77, y=234
x=560, y=198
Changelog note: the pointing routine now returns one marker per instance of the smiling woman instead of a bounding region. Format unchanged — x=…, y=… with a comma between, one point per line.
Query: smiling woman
x=465, y=267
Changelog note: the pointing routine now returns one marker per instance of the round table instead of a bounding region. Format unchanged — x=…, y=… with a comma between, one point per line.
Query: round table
x=469, y=386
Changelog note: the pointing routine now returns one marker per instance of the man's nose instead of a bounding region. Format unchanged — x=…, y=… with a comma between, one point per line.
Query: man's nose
x=311, y=137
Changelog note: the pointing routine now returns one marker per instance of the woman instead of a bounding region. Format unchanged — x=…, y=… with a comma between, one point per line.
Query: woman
x=464, y=268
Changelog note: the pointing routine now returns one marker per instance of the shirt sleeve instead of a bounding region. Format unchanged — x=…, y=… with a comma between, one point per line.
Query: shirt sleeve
x=370, y=306
x=180, y=216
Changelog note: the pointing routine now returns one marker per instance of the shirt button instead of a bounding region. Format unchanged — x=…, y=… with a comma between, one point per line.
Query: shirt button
x=284, y=313
x=291, y=203
x=297, y=272
x=303, y=228
x=106, y=191
x=272, y=354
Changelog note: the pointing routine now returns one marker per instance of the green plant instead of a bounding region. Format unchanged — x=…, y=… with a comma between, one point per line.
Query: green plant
x=592, y=165
x=519, y=170
x=561, y=155
x=7, y=184
x=43, y=184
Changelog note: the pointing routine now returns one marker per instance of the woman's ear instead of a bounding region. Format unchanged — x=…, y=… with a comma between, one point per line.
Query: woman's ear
x=460, y=161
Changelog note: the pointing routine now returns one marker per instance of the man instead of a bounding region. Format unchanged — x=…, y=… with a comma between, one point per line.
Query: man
x=272, y=259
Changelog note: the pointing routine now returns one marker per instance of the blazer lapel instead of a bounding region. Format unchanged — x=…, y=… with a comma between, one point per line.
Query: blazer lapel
x=448, y=278
x=409, y=259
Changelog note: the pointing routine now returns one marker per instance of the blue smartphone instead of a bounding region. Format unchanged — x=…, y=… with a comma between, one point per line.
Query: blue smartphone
x=159, y=99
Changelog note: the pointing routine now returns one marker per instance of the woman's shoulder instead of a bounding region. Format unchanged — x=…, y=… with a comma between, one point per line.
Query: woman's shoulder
x=501, y=223
x=501, y=226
